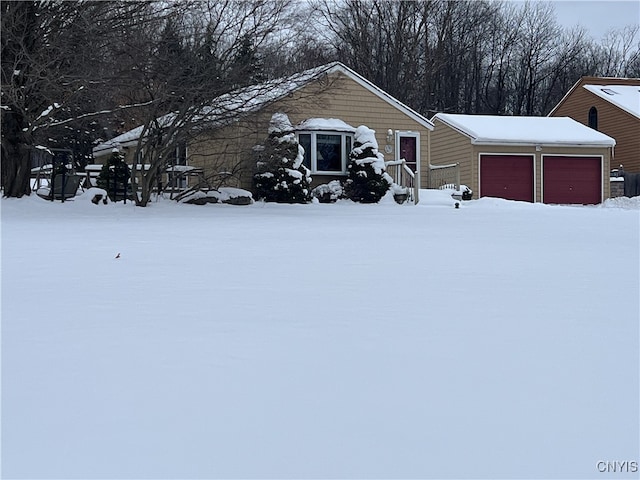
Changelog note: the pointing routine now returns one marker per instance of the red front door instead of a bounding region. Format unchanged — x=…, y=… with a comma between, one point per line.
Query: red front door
x=409, y=151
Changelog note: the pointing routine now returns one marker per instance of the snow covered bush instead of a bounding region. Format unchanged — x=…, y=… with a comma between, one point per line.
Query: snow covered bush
x=328, y=192
x=114, y=176
x=280, y=175
x=368, y=181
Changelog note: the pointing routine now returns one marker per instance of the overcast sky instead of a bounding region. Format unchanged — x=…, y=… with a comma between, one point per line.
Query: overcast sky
x=597, y=16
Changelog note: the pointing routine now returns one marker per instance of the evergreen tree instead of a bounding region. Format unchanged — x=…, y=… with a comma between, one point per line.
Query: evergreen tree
x=368, y=181
x=114, y=177
x=281, y=176
x=247, y=67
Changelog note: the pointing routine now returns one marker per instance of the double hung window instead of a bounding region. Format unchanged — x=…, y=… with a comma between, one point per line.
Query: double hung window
x=176, y=163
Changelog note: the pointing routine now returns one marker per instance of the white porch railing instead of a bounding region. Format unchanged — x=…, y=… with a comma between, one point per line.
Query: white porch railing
x=444, y=176
x=403, y=176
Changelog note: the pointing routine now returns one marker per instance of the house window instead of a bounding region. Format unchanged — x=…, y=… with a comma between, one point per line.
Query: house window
x=178, y=155
x=177, y=159
x=326, y=152
x=593, y=118
x=139, y=156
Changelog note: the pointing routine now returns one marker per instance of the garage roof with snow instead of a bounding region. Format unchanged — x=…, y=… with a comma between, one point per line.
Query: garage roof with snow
x=505, y=130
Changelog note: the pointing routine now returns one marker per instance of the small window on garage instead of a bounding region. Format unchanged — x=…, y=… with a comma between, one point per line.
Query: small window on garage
x=593, y=118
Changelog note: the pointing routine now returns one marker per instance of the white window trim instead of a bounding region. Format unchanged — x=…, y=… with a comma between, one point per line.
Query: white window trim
x=314, y=150
x=184, y=181
x=177, y=153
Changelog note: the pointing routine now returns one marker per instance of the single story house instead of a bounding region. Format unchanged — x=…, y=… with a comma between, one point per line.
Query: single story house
x=610, y=106
x=325, y=104
x=533, y=159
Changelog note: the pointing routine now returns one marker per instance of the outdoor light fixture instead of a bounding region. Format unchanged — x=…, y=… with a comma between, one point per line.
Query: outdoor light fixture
x=389, y=136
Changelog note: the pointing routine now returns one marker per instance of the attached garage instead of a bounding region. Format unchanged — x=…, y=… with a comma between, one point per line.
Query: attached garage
x=571, y=180
x=507, y=176
x=530, y=159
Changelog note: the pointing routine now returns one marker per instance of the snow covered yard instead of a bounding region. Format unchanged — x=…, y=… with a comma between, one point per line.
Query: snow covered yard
x=498, y=340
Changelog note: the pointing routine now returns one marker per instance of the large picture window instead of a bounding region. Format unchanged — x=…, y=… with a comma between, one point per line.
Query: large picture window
x=326, y=152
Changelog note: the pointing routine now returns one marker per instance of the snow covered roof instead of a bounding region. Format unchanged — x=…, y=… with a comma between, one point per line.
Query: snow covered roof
x=126, y=139
x=327, y=124
x=626, y=97
x=595, y=81
x=505, y=130
x=250, y=99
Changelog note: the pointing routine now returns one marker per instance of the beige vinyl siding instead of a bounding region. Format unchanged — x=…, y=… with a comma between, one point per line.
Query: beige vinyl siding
x=231, y=148
x=226, y=150
x=337, y=97
x=450, y=146
x=348, y=101
x=612, y=121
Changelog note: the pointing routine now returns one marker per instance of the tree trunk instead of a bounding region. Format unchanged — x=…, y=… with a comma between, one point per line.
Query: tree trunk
x=16, y=159
x=17, y=181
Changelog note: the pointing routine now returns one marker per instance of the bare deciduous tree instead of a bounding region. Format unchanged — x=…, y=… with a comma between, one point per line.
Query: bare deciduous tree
x=50, y=75
x=185, y=77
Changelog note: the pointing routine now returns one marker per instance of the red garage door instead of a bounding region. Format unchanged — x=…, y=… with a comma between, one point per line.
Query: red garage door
x=507, y=176
x=572, y=180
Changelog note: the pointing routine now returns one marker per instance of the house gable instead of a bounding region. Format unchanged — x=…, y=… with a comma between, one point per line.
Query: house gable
x=625, y=97
x=338, y=96
x=612, y=119
x=384, y=96
x=592, y=81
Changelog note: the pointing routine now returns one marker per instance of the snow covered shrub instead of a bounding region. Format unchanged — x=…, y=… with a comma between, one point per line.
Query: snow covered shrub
x=368, y=181
x=114, y=176
x=280, y=175
x=328, y=192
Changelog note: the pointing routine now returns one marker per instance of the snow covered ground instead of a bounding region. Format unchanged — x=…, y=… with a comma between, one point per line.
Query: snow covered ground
x=497, y=340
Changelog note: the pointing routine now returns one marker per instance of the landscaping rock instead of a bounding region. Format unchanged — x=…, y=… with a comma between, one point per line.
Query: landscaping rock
x=201, y=200
x=242, y=200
